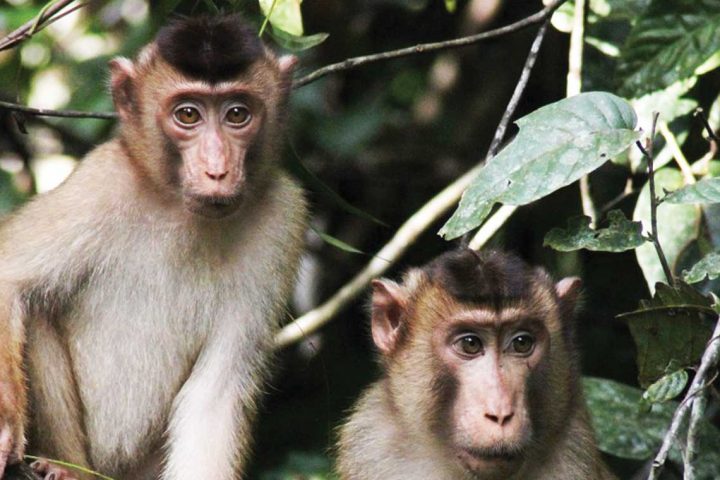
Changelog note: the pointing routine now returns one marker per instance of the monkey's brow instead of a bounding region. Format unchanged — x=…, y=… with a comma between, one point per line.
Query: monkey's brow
x=220, y=90
x=484, y=317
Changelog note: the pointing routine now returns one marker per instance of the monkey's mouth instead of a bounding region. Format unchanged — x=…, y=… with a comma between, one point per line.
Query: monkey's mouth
x=213, y=206
x=499, y=459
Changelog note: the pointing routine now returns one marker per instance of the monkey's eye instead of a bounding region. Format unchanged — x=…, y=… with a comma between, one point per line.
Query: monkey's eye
x=523, y=344
x=187, y=115
x=470, y=345
x=238, y=116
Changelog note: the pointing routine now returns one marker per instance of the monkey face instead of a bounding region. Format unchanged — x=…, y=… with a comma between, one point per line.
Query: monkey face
x=214, y=130
x=207, y=134
x=491, y=355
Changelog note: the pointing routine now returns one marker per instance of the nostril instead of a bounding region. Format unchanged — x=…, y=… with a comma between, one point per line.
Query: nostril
x=216, y=176
x=501, y=420
x=506, y=420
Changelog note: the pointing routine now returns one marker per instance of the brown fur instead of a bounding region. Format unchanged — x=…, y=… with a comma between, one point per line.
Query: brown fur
x=147, y=328
x=411, y=423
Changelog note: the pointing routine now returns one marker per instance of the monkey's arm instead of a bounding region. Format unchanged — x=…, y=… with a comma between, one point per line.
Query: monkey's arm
x=45, y=250
x=209, y=432
x=12, y=382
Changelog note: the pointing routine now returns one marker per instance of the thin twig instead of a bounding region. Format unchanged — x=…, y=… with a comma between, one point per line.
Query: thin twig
x=709, y=360
x=31, y=27
x=517, y=93
x=355, y=62
x=648, y=152
x=691, y=446
x=411, y=230
x=699, y=112
x=46, y=112
x=627, y=192
x=677, y=152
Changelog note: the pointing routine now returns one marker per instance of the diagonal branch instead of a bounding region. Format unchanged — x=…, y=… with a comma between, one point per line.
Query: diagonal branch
x=709, y=360
x=413, y=227
x=50, y=14
x=355, y=62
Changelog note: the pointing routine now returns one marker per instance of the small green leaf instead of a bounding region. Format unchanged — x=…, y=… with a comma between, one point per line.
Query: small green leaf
x=284, y=15
x=667, y=388
x=451, y=5
x=557, y=144
x=296, y=43
x=672, y=327
x=335, y=242
x=708, y=267
x=619, y=236
x=669, y=41
x=706, y=190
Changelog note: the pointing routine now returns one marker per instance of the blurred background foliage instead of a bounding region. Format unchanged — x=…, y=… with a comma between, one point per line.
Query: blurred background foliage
x=385, y=138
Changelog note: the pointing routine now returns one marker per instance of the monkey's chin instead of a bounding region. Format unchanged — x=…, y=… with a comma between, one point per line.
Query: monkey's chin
x=486, y=465
x=213, y=207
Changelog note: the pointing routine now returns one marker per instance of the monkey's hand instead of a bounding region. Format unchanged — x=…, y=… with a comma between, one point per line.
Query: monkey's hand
x=12, y=442
x=50, y=471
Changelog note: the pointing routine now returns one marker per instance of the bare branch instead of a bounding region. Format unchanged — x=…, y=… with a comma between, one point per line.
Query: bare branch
x=648, y=153
x=517, y=93
x=699, y=112
x=51, y=14
x=709, y=360
x=46, y=112
x=414, y=226
x=355, y=62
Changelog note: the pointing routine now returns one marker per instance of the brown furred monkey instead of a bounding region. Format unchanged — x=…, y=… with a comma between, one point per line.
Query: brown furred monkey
x=480, y=381
x=139, y=298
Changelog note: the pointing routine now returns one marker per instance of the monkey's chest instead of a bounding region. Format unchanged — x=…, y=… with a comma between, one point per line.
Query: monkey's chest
x=134, y=337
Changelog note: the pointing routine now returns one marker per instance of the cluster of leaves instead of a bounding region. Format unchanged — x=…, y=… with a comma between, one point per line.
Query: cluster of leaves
x=667, y=47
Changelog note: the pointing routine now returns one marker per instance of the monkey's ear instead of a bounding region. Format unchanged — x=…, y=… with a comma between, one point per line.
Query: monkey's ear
x=286, y=64
x=568, y=290
x=388, y=303
x=122, y=76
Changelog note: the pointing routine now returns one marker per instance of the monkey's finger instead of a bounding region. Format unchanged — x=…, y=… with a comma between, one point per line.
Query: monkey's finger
x=40, y=467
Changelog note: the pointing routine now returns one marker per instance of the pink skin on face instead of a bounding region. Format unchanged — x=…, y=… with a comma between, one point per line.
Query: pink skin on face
x=213, y=129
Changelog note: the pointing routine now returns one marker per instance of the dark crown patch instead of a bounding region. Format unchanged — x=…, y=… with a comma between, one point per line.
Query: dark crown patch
x=210, y=48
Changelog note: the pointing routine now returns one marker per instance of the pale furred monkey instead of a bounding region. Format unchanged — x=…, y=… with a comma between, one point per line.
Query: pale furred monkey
x=138, y=300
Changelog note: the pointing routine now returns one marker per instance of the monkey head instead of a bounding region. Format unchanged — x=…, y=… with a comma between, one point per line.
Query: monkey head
x=200, y=111
x=473, y=345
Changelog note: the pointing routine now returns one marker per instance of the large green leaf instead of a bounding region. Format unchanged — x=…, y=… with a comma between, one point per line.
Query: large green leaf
x=557, y=144
x=669, y=42
x=678, y=226
x=619, y=236
x=625, y=431
x=672, y=328
x=708, y=267
x=706, y=190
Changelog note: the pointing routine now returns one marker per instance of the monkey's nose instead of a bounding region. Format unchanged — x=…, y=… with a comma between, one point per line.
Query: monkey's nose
x=217, y=176
x=501, y=419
